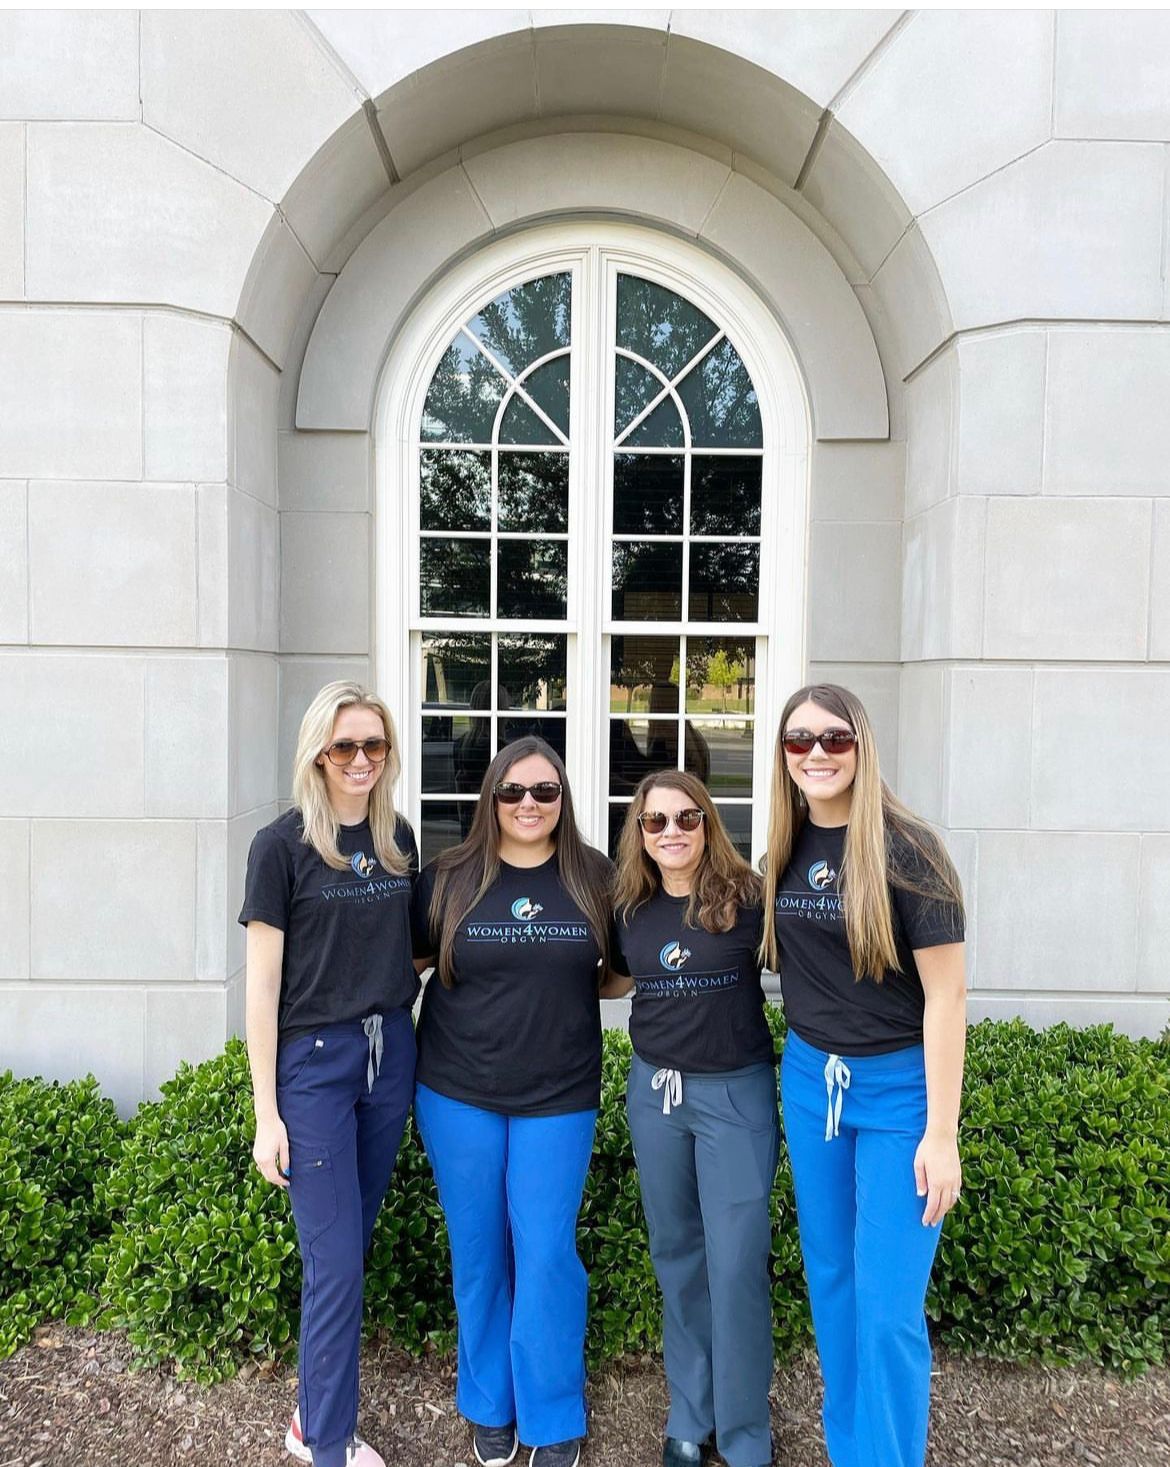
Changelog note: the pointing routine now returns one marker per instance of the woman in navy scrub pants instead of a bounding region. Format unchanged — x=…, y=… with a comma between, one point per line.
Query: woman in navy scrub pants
x=702, y=1108
x=867, y=933
x=330, y=985
x=509, y=1083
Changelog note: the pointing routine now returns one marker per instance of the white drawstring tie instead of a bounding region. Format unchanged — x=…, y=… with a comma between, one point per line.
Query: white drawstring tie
x=670, y=1083
x=836, y=1076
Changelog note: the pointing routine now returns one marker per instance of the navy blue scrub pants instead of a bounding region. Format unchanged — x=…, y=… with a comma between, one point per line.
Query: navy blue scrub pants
x=511, y=1191
x=852, y=1127
x=343, y=1139
x=706, y=1171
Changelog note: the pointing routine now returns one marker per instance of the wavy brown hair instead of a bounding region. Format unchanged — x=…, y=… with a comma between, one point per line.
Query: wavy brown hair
x=724, y=881
x=465, y=872
x=886, y=844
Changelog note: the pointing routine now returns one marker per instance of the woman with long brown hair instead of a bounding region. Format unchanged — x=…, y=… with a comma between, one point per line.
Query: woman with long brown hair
x=516, y=919
x=866, y=930
x=702, y=1107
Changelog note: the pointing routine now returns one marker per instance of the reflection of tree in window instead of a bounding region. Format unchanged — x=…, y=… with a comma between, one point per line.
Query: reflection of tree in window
x=456, y=490
x=534, y=492
x=659, y=325
x=724, y=582
x=721, y=401
x=526, y=322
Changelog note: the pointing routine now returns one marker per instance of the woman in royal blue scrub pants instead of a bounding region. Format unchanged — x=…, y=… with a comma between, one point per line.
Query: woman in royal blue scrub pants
x=509, y=1083
x=867, y=933
x=330, y=985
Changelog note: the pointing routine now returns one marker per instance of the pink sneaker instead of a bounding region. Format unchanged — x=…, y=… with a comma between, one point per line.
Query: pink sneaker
x=358, y=1454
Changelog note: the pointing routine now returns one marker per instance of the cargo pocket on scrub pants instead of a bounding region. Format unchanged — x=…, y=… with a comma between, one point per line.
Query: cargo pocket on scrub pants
x=313, y=1191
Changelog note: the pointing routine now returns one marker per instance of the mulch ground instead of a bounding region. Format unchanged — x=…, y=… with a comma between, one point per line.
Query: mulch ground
x=70, y=1398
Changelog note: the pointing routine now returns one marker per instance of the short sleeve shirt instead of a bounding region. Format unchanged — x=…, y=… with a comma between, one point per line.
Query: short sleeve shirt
x=347, y=946
x=520, y=1030
x=823, y=1002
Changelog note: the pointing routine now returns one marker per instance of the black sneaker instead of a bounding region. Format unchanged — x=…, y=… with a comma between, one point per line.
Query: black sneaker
x=495, y=1446
x=559, y=1454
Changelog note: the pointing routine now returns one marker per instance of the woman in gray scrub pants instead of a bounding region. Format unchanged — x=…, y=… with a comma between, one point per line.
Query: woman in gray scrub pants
x=702, y=1109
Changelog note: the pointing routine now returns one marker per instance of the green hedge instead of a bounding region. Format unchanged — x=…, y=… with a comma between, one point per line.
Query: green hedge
x=54, y=1142
x=1060, y=1249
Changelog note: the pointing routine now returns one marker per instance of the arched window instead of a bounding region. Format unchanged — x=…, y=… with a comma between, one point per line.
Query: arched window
x=590, y=462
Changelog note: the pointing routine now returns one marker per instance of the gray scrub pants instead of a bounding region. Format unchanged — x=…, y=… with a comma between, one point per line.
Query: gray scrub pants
x=706, y=1170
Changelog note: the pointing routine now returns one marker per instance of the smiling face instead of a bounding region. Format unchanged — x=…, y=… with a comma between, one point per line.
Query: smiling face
x=526, y=829
x=348, y=786
x=678, y=854
x=825, y=780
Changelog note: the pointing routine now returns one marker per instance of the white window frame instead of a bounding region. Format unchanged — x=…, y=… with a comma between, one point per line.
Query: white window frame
x=594, y=252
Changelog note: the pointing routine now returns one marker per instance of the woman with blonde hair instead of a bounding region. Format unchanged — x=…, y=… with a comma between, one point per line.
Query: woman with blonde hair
x=866, y=929
x=330, y=985
x=516, y=920
x=702, y=1109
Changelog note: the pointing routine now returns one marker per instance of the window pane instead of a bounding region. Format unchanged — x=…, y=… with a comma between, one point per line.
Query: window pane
x=647, y=582
x=638, y=746
x=521, y=425
x=534, y=491
x=463, y=396
x=721, y=402
x=738, y=820
x=451, y=747
x=526, y=322
x=662, y=429
x=455, y=577
x=640, y=667
x=532, y=672
x=659, y=325
x=456, y=490
x=452, y=666
x=549, y=387
x=444, y=823
x=725, y=496
x=551, y=730
x=721, y=675
x=533, y=579
x=634, y=389
x=727, y=744
x=617, y=818
x=647, y=494
x=725, y=581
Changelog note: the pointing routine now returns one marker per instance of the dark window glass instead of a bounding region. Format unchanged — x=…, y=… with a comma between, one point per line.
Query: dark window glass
x=456, y=490
x=725, y=496
x=521, y=425
x=534, y=491
x=444, y=823
x=724, y=582
x=647, y=582
x=452, y=666
x=455, y=577
x=662, y=429
x=637, y=747
x=551, y=730
x=634, y=389
x=533, y=579
x=721, y=402
x=659, y=325
x=721, y=675
x=617, y=819
x=647, y=494
x=640, y=667
x=548, y=386
x=738, y=820
x=463, y=396
x=532, y=672
x=727, y=747
x=526, y=322
x=445, y=741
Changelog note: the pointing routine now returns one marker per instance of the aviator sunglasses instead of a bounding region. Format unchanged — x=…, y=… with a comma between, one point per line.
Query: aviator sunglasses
x=654, y=822
x=832, y=741
x=344, y=751
x=547, y=792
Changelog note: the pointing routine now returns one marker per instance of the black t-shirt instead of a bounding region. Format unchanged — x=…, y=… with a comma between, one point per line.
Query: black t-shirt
x=347, y=949
x=697, y=1004
x=823, y=1002
x=520, y=1031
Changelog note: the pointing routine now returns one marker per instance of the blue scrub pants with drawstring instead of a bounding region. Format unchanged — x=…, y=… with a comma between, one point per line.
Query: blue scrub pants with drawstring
x=852, y=1126
x=511, y=1189
x=344, y=1119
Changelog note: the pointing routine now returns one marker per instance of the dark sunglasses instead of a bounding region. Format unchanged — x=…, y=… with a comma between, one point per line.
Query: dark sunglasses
x=344, y=751
x=832, y=741
x=547, y=792
x=654, y=822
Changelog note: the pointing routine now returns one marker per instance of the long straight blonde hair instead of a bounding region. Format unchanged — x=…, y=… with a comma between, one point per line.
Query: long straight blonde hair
x=886, y=844
x=310, y=795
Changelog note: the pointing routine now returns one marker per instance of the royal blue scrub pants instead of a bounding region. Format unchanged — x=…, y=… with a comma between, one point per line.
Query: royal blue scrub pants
x=343, y=1138
x=511, y=1190
x=706, y=1171
x=852, y=1127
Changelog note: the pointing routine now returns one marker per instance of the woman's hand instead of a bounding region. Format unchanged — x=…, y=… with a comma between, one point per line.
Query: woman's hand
x=270, y=1150
x=938, y=1176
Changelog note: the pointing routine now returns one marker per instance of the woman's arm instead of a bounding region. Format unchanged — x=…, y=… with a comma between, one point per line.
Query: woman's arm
x=265, y=950
x=616, y=985
x=944, y=1035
